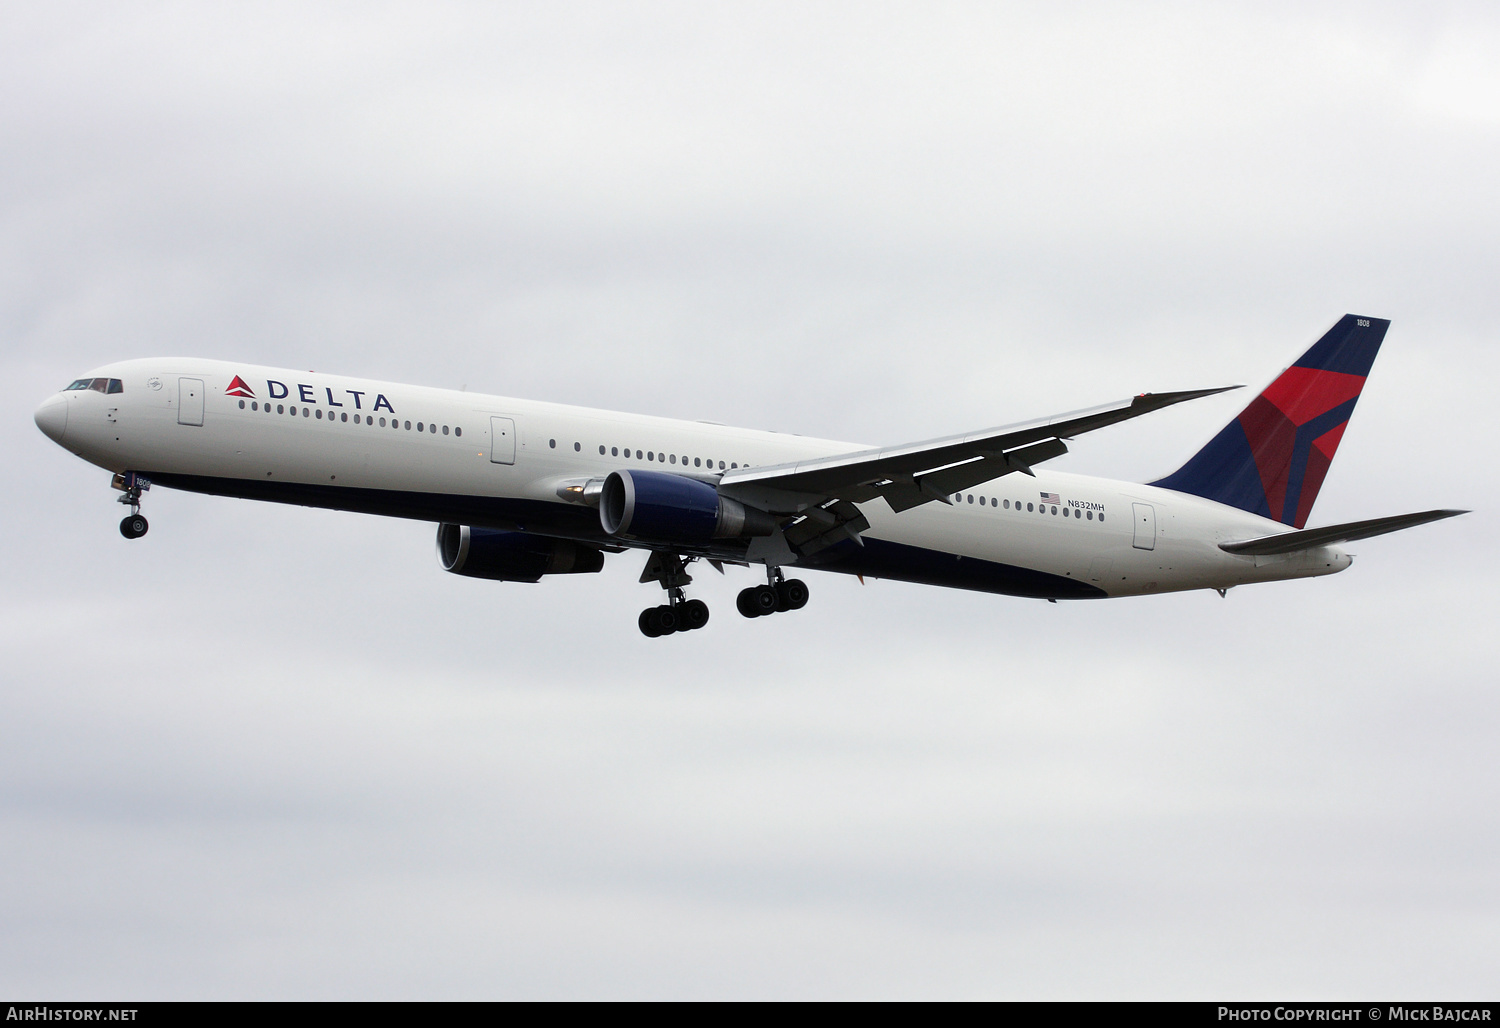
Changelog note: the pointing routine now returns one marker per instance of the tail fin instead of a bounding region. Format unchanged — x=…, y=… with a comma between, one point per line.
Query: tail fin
x=1271, y=460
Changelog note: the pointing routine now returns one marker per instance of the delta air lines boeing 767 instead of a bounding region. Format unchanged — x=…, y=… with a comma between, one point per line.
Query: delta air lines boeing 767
x=521, y=489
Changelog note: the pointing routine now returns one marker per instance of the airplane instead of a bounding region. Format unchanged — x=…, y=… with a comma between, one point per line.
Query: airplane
x=522, y=489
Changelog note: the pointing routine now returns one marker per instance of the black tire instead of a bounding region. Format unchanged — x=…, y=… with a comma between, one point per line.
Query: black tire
x=134, y=526
x=745, y=603
x=764, y=599
x=693, y=614
x=648, y=624
x=666, y=620
x=793, y=593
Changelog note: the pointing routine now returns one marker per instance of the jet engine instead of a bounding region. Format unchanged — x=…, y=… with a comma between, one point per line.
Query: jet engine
x=511, y=556
x=675, y=509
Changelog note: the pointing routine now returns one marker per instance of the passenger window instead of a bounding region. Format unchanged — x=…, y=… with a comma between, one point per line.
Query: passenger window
x=419, y=426
x=320, y=411
x=697, y=462
x=601, y=451
x=650, y=454
x=382, y=422
x=577, y=447
x=242, y=405
x=552, y=443
x=280, y=409
x=457, y=431
x=674, y=458
x=254, y=405
x=1028, y=508
x=1101, y=515
x=721, y=465
x=1091, y=515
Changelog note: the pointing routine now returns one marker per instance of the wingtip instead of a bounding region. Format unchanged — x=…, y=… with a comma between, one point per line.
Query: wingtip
x=1182, y=395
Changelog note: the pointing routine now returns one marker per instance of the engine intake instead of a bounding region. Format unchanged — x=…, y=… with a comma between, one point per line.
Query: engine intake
x=511, y=556
x=674, y=508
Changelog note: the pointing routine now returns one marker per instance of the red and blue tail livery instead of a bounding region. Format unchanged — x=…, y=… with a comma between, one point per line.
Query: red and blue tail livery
x=1271, y=460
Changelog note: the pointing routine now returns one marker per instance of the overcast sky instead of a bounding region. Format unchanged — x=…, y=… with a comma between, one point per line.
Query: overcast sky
x=270, y=752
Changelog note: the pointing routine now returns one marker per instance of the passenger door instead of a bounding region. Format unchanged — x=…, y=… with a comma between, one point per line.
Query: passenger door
x=1145, y=526
x=190, y=401
x=502, y=441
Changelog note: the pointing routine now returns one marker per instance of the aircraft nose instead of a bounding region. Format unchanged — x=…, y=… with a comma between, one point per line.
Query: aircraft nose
x=52, y=418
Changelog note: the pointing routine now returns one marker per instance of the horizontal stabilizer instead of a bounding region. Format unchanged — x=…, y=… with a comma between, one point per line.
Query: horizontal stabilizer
x=1291, y=542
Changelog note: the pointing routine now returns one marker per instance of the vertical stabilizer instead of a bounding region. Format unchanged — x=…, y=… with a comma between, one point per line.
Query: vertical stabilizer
x=1271, y=460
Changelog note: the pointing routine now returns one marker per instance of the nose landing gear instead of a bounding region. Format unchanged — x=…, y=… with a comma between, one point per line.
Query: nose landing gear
x=133, y=526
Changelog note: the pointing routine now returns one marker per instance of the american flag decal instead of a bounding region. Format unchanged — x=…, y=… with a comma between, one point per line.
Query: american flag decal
x=1051, y=498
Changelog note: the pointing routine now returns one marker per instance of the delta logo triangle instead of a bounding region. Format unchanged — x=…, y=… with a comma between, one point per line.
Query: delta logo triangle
x=238, y=388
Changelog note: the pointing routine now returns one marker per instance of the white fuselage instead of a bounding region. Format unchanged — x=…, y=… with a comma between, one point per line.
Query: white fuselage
x=440, y=455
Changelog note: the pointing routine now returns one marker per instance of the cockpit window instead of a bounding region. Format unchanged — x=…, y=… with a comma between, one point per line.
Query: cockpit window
x=98, y=385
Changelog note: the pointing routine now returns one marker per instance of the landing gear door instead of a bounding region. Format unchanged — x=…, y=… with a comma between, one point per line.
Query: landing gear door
x=502, y=441
x=190, y=401
x=1145, y=526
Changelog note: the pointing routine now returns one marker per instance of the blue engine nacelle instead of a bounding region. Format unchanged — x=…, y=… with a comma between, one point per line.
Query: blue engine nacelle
x=511, y=556
x=675, y=509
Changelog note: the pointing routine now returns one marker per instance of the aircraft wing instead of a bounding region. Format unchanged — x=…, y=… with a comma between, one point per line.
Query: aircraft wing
x=908, y=476
x=1291, y=542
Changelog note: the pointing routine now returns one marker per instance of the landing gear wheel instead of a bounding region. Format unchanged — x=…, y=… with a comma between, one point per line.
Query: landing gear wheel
x=745, y=604
x=134, y=526
x=764, y=600
x=647, y=623
x=665, y=619
x=693, y=614
x=791, y=594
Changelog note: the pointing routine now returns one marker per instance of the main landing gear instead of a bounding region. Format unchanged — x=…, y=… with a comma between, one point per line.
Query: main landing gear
x=678, y=614
x=134, y=525
x=777, y=595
